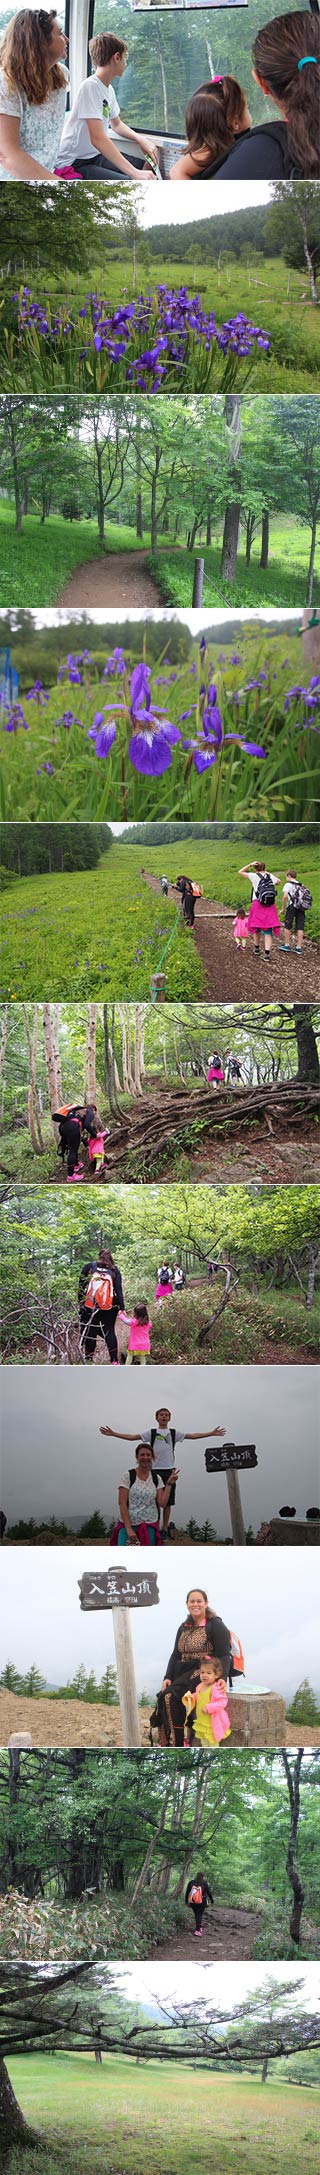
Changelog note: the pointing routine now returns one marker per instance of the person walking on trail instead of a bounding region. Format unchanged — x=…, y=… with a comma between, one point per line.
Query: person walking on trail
x=141, y=1498
x=216, y=1077
x=184, y=885
x=140, y=1326
x=100, y=1297
x=263, y=918
x=197, y=1896
x=164, y=1285
x=234, y=1074
x=165, y=886
x=296, y=899
x=162, y=1439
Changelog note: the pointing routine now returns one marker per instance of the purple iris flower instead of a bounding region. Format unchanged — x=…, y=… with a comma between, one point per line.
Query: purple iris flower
x=105, y=738
x=37, y=694
x=150, y=753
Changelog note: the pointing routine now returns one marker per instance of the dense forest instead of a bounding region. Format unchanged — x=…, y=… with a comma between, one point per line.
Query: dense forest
x=264, y=1255
x=96, y=1851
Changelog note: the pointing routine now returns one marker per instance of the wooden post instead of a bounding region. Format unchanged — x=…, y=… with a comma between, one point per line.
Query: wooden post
x=236, y=1511
x=198, y=581
x=126, y=1678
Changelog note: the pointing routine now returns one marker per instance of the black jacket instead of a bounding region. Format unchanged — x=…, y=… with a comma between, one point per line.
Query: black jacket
x=260, y=154
x=218, y=1643
x=206, y=1891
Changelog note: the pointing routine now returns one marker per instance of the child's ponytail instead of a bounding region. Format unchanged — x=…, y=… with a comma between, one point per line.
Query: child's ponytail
x=286, y=57
x=215, y=114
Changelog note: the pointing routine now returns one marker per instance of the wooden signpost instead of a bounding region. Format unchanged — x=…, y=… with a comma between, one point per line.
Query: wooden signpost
x=232, y=1459
x=121, y=1591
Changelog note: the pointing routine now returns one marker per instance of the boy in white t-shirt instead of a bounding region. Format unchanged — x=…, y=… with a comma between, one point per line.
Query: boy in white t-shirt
x=86, y=142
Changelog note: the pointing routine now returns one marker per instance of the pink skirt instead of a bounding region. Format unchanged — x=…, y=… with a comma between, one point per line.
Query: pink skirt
x=164, y=1291
x=240, y=926
x=213, y=1074
x=263, y=917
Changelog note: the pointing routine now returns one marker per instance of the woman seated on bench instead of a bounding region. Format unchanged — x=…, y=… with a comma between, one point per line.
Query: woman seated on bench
x=86, y=143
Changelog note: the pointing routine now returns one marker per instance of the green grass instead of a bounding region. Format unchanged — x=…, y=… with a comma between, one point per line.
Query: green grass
x=291, y=323
x=103, y=930
x=100, y=929
x=80, y=786
x=124, y=2120
x=48, y=555
x=283, y=583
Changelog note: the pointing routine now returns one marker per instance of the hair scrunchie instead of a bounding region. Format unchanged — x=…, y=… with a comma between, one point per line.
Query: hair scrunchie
x=310, y=60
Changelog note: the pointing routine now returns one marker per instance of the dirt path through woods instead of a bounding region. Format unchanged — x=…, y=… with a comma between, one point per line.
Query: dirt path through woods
x=117, y=578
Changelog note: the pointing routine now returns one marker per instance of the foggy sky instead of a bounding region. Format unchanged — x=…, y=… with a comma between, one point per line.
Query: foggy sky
x=55, y=1463
x=271, y=1600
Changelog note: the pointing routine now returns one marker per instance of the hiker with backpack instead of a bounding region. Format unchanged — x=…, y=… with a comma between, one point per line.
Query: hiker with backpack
x=216, y=1077
x=141, y=1498
x=186, y=888
x=76, y=1122
x=202, y=1632
x=162, y=1439
x=197, y=1896
x=164, y=1285
x=100, y=1298
x=263, y=918
x=179, y=1277
x=296, y=898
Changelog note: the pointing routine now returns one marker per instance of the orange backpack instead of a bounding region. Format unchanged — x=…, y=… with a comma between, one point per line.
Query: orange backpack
x=100, y=1291
x=237, y=1655
x=196, y=1895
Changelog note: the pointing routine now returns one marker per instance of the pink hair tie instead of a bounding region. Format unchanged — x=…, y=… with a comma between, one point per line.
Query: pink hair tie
x=216, y=79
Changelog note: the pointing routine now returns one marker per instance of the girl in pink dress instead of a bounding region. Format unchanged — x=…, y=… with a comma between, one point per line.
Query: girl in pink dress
x=240, y=927
x=139, y=1334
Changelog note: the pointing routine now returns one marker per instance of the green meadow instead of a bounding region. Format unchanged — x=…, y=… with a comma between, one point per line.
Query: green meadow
x=261, y=289
x=251, y=694
x=35, y=565
x=103, y=931
x=123, y=2119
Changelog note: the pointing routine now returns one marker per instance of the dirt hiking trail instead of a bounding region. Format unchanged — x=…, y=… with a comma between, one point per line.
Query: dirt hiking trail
x=225, y=1932
x=243, y=975
x=115, y=579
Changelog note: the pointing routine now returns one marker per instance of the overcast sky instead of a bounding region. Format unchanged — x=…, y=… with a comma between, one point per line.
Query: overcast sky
x=56, y=1463
x=173, y=206
x=224, y=1984
x=273, y=1604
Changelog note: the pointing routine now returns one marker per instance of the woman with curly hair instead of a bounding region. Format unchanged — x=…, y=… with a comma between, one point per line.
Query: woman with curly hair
x=33, y=87
x=201, y=1633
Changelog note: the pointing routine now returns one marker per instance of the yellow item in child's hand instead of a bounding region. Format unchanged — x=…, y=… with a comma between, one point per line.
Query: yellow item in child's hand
x=188, y=1701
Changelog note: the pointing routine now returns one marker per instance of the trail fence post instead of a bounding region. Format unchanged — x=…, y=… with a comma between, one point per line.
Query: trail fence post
x=198, y=580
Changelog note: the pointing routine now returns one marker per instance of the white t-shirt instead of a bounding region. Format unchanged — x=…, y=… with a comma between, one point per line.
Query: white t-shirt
x=95, y=101
x=163, y=1454
x=40, y=126
x=256, y=880
x=289, y=890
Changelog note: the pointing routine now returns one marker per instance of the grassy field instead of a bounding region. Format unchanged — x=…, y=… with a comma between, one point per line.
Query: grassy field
x=35, y=565
x=260, y=291
x=251, y=694
x=118, y=2119
x=284, y=581
x=102, y=930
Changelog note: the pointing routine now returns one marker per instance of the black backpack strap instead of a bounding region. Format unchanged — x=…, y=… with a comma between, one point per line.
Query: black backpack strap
x=173, y=1438
x=133, y=1476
